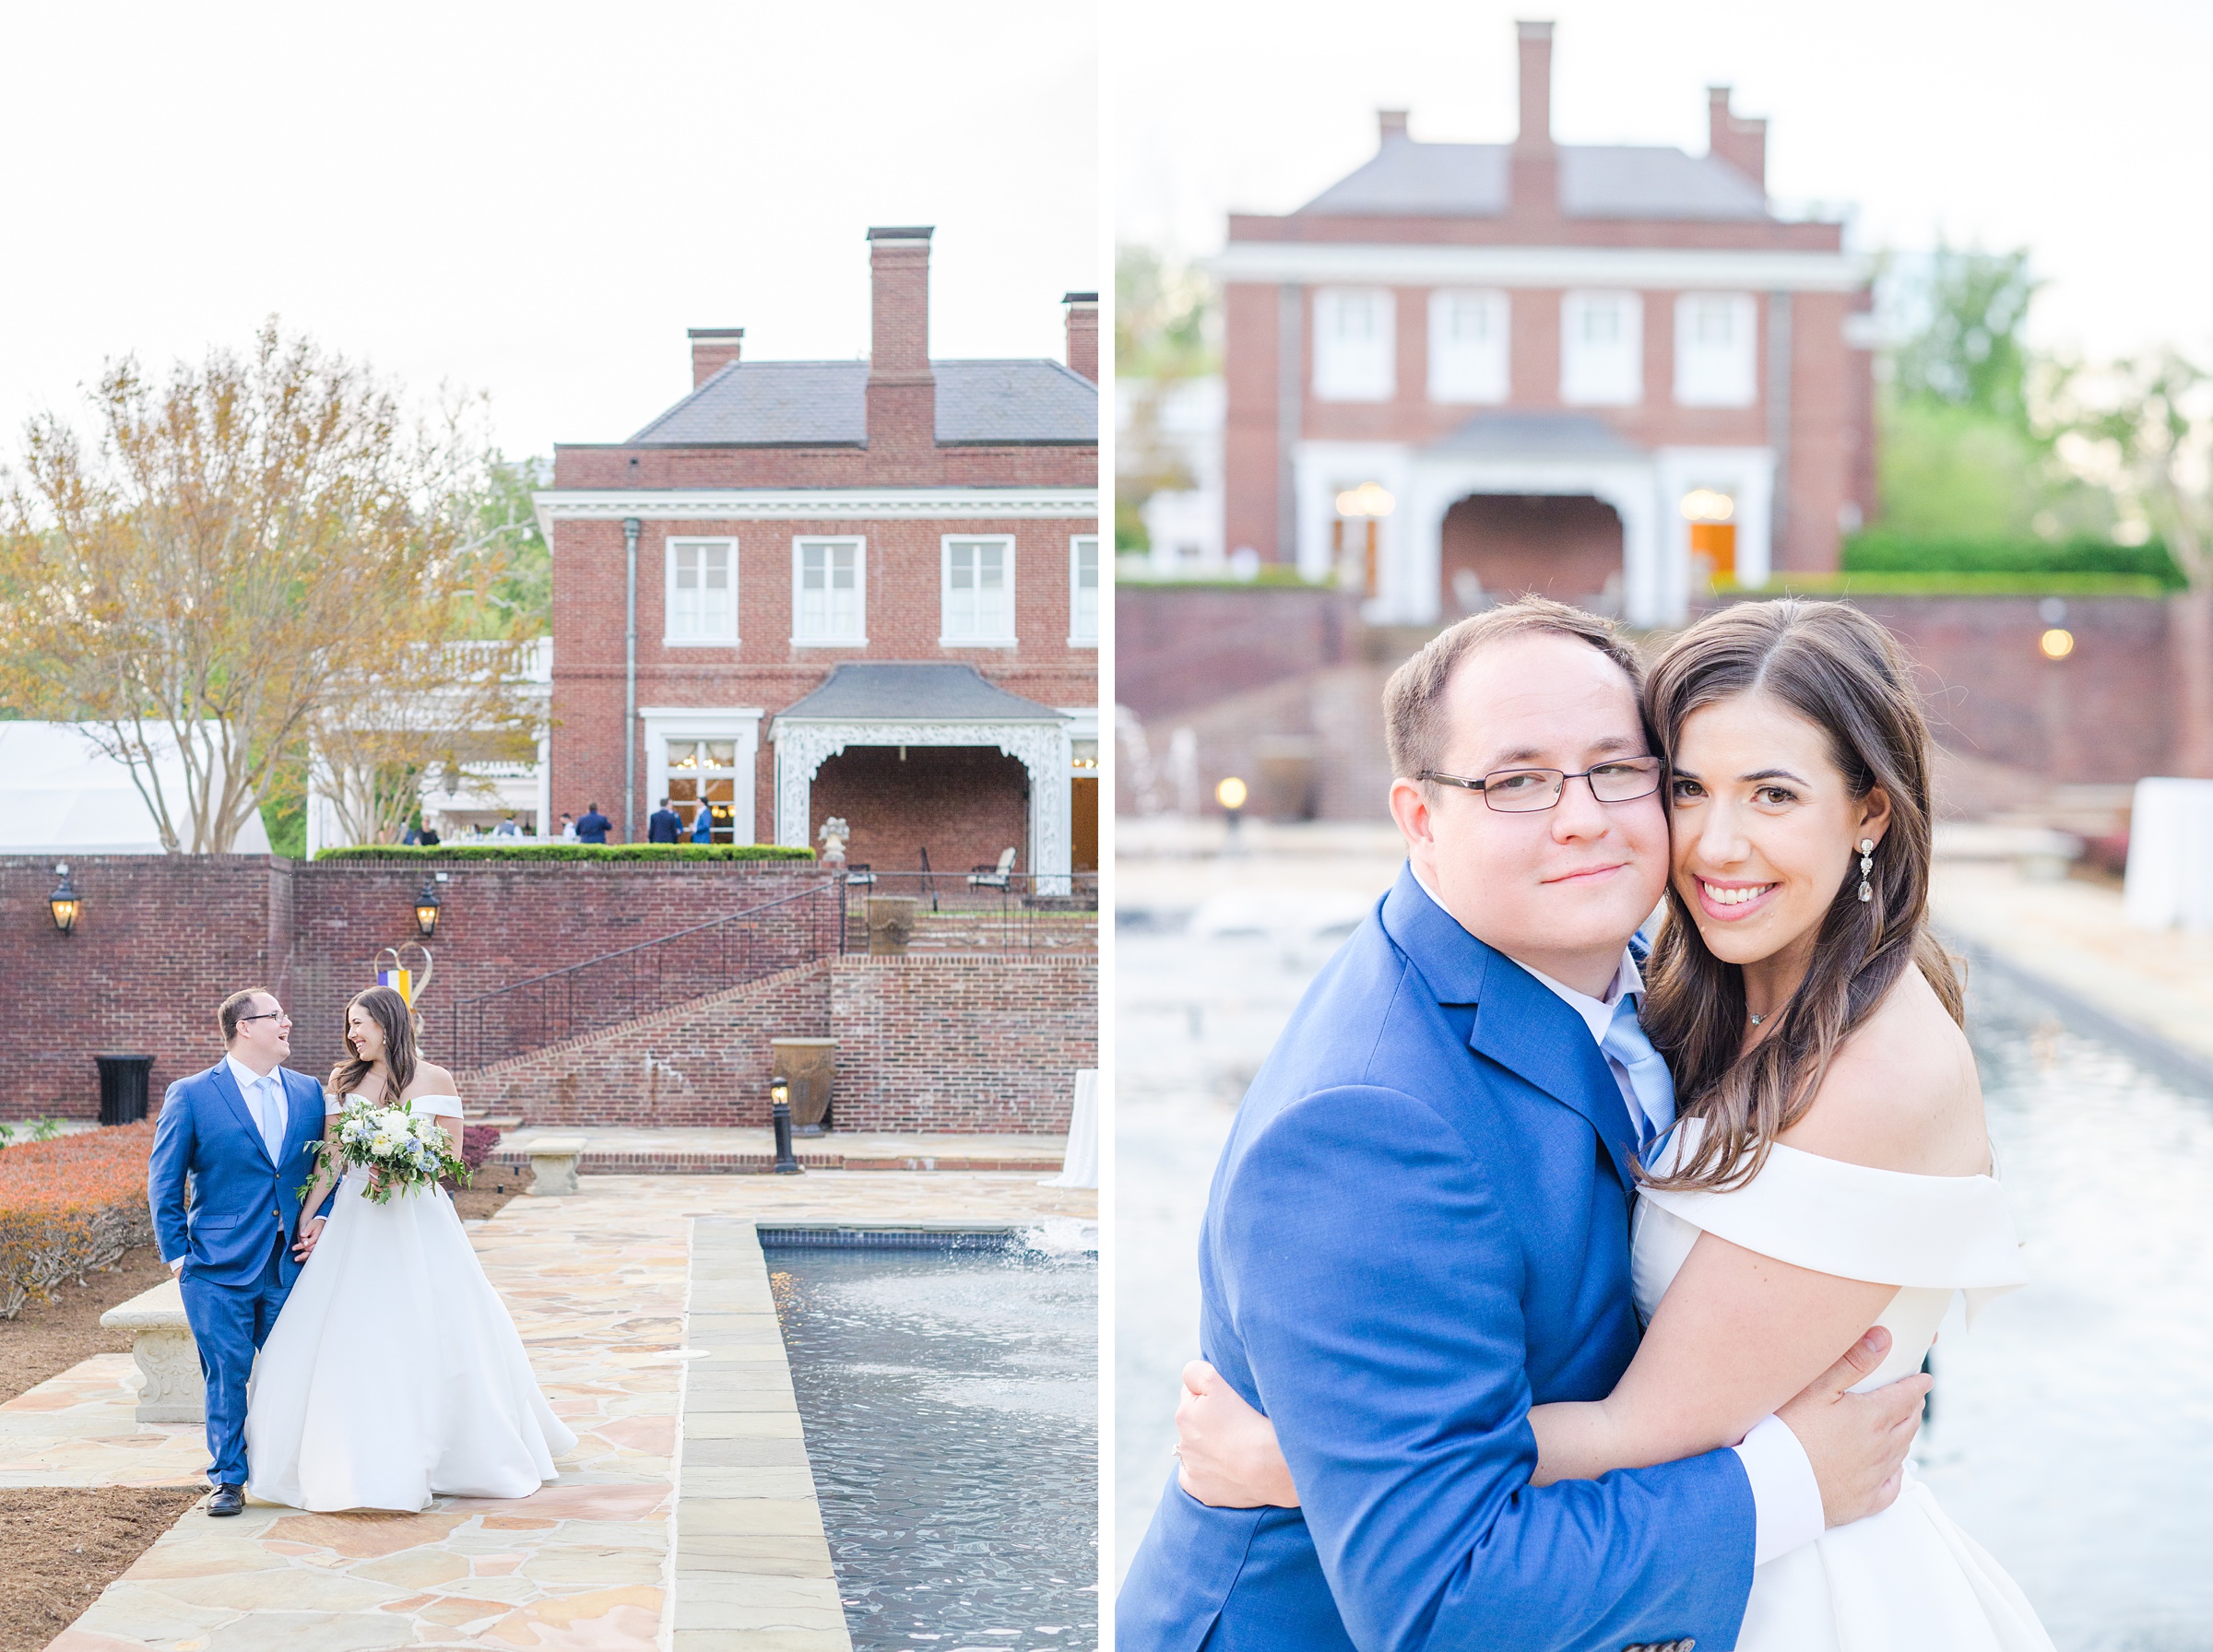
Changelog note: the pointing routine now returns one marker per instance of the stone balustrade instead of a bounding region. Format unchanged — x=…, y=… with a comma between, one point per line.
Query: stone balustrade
x=167, y=1358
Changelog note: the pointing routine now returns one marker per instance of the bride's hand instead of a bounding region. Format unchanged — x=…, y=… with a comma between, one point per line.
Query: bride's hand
x=310, y=1231
x=1228, y=1451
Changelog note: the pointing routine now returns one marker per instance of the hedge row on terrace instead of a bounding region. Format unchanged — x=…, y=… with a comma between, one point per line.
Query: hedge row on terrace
x=567, y=852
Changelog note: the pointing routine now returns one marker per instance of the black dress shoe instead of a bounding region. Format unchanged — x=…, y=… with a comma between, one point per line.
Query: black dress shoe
x=227, y=1500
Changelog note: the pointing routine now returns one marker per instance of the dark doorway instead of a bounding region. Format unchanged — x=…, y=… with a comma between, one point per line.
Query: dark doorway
x=1498, y=546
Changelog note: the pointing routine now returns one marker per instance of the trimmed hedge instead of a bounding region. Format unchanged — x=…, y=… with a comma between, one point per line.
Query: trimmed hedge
x=70, y=1207
x=567, y=852
x=1879, y=552
x=1944, y=584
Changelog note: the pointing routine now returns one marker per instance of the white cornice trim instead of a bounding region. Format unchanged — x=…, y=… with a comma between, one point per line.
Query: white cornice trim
x=811, y=504
x=1748, y=269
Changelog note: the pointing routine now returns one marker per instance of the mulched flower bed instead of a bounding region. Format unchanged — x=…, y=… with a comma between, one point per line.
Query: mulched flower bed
x=66, y=1543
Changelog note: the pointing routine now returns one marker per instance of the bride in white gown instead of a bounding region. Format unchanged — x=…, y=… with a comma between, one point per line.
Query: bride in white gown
x=1829, y=1170
x=394, y=1372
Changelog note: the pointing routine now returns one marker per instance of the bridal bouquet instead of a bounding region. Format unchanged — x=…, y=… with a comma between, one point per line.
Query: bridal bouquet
x=400, y=1151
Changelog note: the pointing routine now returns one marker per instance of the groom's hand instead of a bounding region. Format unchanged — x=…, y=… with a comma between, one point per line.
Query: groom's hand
x=1857, y=1443
x=310, y=1231
x=1228, y=1451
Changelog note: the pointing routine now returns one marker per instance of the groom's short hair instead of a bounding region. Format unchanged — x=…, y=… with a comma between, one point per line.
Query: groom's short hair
x=226, y=1017
x=1414, y=701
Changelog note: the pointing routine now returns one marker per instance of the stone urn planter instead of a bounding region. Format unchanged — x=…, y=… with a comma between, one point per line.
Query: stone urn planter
x=810, y=1066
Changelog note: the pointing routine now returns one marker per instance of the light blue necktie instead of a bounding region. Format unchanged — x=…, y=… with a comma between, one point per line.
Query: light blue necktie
x=272, y=1117
x=1649, y=1079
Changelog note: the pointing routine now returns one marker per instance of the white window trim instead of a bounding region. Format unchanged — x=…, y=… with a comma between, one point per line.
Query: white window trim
x=945, y=543
x=1328, y=384
x=1075, y=544
x=668, y=544
x=1502, y=308
x=1745, y=392
x=860, y=588
x=740, y=723
x=1632, y=304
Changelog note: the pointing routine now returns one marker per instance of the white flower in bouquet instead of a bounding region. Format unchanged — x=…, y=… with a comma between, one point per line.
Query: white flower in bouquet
x=401, y=1152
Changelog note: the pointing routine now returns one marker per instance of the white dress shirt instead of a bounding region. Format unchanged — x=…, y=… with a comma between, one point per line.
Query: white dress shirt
x=1786, y=1498
x=261, y=1100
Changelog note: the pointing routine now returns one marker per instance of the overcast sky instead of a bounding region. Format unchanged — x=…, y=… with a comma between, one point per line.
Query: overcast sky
x=533, y=199
x=2078, y=131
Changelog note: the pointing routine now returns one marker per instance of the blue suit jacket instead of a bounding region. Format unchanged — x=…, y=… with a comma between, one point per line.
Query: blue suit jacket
x=241, y=1199
x=1419, y=1229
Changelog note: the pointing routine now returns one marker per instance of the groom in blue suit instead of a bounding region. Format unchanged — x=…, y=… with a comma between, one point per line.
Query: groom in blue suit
x=238, y=1134
x=1420, y=1225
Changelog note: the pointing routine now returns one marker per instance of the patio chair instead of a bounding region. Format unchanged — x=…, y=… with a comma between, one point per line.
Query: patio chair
x=999, y=876
x=860, y=873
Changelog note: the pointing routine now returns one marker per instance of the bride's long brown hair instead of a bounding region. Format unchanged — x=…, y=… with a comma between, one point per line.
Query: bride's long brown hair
x=389, y=1011
x=1844, y=673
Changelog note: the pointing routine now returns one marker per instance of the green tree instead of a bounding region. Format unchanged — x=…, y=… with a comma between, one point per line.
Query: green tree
x=517, y=595
x=1967, y=351
x=1164, y=334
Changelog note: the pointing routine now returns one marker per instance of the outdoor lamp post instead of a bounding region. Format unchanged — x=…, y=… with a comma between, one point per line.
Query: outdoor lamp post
x=779, y=1114
x=1231, y=795
x=426, y=909
x=63, y=903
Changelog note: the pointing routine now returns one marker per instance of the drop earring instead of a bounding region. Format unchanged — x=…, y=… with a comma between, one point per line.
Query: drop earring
x=1866, y=866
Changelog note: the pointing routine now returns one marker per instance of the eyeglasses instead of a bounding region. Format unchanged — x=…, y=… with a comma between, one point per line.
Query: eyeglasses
x=266, y=1015
x=1526, y=791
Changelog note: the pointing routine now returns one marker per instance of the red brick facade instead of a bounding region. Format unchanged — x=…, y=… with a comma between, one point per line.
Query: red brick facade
x=925, y=450
x=1533, y=226
x=963, y=804
x=954, y=1044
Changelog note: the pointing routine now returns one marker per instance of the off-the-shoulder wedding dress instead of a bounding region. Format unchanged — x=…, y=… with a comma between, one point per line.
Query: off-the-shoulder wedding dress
x=395, y=1371
x=1908, y=1579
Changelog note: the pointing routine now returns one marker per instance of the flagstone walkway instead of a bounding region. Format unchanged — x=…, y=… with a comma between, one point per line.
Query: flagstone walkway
x=598, y=1285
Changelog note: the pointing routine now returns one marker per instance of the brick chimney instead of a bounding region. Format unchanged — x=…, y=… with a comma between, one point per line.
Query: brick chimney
x=1731, y=137
x=902, y=393
x=1082, y=315
x=713, y=349
x=1535, y=163
x=1391, y=124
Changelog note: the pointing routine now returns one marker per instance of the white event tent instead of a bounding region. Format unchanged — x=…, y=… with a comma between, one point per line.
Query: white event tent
x=65, y=796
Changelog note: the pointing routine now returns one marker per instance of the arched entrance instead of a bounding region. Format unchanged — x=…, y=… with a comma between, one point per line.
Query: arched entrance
x=1494, y=546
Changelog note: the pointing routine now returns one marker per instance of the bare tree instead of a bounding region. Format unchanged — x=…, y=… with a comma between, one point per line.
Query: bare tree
x=2143, y=429
x=232, y=550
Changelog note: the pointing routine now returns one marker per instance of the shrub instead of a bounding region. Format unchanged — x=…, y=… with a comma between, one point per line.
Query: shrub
x=1878, y=551
x=477, y=1142
x=568, y=852
x=70, y=1207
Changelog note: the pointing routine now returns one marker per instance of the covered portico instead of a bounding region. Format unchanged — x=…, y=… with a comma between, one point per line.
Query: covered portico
x=1552, y=455
x=896, y=704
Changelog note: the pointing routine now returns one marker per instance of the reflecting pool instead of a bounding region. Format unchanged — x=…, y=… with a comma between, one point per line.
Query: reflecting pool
x=950, y=1398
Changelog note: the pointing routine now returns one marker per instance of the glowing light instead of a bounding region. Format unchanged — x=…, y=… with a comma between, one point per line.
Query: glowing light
x=1703, y=504
x=1231, y=793
x=1369, y=499
x=2056, y=643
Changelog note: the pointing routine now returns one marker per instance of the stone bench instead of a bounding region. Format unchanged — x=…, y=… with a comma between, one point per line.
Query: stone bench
x=168, y=1357
x=553, y=1165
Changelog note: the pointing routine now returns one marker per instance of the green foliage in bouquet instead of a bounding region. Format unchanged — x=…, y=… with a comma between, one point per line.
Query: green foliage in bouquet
x=403, y=1151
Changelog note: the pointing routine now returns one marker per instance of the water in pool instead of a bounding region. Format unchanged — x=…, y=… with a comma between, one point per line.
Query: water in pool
x=951, y=1402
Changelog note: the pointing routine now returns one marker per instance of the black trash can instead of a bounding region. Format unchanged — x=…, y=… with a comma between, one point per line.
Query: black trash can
x=123, y=1083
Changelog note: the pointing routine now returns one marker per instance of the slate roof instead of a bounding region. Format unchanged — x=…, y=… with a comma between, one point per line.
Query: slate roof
x=1418, y=180
x=808, y=403
x=877, y=691
x=1537, y=436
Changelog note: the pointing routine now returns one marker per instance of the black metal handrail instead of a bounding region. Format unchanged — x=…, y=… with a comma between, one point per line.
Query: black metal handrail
x=797, y=928
x=983, y=910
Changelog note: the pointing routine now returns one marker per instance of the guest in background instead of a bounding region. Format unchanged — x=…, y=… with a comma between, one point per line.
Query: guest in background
x=703, y=828
x=507, y=828
x=413, y=834
x=568, y=829
x=663, y=827
x=591, y=828
x=430, y=839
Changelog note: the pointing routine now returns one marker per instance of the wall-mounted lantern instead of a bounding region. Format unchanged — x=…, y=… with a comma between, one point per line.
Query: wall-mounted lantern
x=426, y=909
x=63, y=903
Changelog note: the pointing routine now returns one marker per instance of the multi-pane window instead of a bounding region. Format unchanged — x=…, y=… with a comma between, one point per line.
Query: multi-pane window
x=1601, y=349
x=703, y=590
x=704, y=775
x=979, y=592
x=1467, y=345
x=1717, y=355
x=1355, y=338
x=1083, y=591
x=828, y=592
